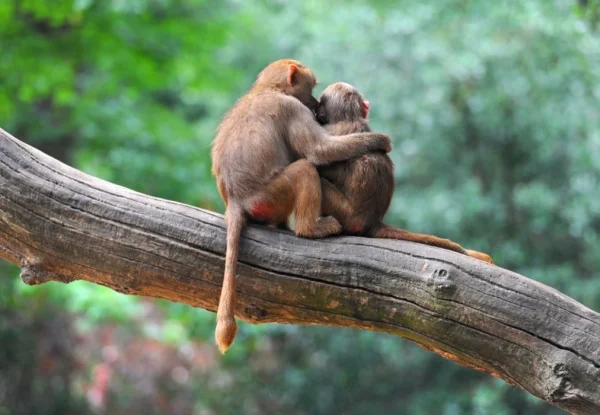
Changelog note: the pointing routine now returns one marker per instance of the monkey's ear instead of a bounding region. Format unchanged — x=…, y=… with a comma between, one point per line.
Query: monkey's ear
x=365, y=108
x=291, y=72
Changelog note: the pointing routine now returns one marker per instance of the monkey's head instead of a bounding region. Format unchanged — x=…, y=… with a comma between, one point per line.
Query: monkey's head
x=292, y=78
x=341, y=102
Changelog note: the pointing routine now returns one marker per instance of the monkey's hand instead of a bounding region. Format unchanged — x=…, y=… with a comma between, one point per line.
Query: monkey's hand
x=342, y=147
x=380, y=142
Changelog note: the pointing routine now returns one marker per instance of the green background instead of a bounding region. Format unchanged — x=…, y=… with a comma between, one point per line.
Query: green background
x=493, y=107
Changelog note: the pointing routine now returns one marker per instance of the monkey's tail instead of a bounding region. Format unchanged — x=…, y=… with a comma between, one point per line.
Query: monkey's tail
x=226, y=326
x=389, y=232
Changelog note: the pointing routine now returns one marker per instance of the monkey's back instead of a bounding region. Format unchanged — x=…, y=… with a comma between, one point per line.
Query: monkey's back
x=248, y=151
x=367, y=181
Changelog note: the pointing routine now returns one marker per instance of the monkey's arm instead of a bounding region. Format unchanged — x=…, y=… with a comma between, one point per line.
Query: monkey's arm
x=329, y=149
x=308, y=139
x=311, y=141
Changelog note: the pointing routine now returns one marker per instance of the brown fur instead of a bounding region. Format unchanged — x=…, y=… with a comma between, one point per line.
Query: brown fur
x=358, y=192
x=264, y=158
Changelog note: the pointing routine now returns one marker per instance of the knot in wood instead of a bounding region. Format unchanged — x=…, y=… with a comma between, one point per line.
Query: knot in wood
x=255, y=313
x=121, y=289
x=35, y=275
x=442, y=282
x=562, y=389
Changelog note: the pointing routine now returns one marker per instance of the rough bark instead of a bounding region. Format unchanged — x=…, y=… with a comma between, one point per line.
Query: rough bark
x=59, y=224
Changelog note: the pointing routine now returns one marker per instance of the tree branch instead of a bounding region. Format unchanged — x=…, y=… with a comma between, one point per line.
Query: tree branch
x=59, y=224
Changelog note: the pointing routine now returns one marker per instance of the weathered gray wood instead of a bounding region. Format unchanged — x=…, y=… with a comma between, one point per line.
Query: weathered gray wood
x=59, y=224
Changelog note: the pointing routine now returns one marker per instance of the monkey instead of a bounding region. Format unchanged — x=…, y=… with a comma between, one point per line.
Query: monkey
x=264, y=159
x=358, y=192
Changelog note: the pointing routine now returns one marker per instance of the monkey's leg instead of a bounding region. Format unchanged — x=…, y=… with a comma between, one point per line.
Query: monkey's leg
x=334, y=173
x=336, y=204
x=296, y=189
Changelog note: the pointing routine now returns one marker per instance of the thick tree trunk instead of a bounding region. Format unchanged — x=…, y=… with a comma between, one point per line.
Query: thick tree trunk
x=59, y=224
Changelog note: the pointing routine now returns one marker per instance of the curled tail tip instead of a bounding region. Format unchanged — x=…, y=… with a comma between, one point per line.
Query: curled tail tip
x=480, y=255
x=222, y=348
x=225, y=334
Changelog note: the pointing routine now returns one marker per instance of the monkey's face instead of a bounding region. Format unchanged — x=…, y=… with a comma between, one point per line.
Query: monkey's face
x=321, y=111
x=304, y=94
x=341, y=102
x=312, y=104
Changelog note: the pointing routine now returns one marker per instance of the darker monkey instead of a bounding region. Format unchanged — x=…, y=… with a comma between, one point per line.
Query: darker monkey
x=358, y=192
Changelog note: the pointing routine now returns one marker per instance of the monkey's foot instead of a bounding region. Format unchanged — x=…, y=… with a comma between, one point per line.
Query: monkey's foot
x=324, y=226
x=480, y=255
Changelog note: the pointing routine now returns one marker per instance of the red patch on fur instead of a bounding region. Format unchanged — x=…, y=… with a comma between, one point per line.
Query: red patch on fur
x=355, y=228
x=262, y=211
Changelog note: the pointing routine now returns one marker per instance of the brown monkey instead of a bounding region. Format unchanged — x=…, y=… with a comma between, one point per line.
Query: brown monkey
x=264, y=158
x=358, y=192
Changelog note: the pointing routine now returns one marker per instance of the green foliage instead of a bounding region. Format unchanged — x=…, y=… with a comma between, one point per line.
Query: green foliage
x=123, y=89
x=494, y=110
x=36, y=365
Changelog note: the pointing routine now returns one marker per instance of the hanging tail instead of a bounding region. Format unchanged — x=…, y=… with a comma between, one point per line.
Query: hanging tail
x=226, y=326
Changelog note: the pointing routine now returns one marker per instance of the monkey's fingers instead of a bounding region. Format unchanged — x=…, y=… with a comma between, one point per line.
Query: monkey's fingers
x=480, y=255
x=385, y=142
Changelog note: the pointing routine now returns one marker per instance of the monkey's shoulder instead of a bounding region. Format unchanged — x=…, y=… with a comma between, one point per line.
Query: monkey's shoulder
x=270, y=99
x=255, y=109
